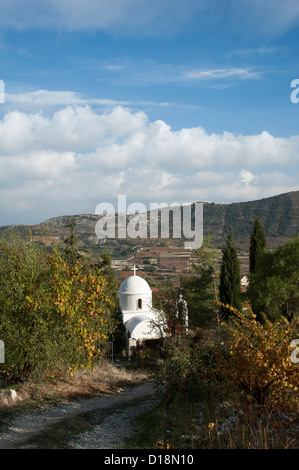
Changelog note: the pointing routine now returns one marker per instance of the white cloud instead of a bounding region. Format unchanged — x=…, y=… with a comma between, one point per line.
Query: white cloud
x=48, y=101
x=70, y=160
x=220, y=74
x=275, y=19
x=45, y=99
x=149, y=17
x=260, y=51
x=246, y=176
x=144, y=16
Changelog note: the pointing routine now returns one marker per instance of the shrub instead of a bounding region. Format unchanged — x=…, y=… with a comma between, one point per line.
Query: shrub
x=188, y=367
x=27, y=326
x=79, y=294
x=259, y=356
x=176, y=368
x=51, y=314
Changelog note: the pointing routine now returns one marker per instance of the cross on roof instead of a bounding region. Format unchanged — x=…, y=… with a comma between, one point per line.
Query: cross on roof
x=134, y=269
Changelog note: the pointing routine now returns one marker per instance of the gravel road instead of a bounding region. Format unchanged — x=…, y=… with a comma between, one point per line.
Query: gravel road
x=101, y=422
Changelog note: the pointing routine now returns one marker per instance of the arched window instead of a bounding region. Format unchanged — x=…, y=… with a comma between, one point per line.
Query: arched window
x=139, y=303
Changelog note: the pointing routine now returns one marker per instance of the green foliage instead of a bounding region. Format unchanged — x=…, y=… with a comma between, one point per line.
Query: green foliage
x=179, y=372
x=80, y=296
x=230, y=287
x=51, y=313
x=257, y=244
x=108, y=272
x=119, y=332
x=259, y=356
x=243, y=355
x=28, y=325
x=189, y=365
x=246, y=359
x=200, y=289
x=71, y=252
x=166, y=300
x=274, y=284
x=278, y=215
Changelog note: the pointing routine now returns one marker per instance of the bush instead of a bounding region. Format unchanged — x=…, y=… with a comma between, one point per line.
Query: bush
x=79, y=294
x=188, y=367
x=51, y=314
x=258, y=356
x=26, y=311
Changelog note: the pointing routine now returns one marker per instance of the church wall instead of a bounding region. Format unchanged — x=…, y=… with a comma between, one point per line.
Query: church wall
x=128, y=315
x=130, y=302
x=135, y=301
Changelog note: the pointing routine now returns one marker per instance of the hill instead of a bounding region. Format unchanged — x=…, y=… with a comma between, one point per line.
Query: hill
x=279, y=216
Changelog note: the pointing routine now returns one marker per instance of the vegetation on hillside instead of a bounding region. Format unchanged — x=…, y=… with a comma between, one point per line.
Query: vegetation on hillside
x=257, y=245
x=230, y=275
x=55, y=311
x=274, y=284
x=200, y=288
x=232, y=371
x=278, y=215
x=233, y=382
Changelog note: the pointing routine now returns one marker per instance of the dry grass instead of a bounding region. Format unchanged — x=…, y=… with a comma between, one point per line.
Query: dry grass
x=237, y=426
x=105, y=378
x=212, y=423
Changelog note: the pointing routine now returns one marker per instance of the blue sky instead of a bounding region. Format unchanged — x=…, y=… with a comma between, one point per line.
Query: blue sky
x=163, y=101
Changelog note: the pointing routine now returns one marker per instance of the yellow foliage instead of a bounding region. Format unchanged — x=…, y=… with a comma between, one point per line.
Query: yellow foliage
x=80, y=298
x=259, y=355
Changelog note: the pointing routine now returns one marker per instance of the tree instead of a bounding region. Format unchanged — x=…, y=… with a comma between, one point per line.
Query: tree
x=105, y=265
x=71, y=252
x=257, y=244
x=274, y=285
x=200, y=289
x=256, y=356
x=109, y=274
x=81, y=297
x=166, y=302
x=51, y=314
x=230, y=286
x=28, y=326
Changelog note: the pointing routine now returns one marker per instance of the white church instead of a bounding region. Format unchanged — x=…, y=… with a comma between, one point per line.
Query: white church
x=135, y=300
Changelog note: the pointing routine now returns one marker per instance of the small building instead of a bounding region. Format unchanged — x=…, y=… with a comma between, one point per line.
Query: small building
x=244, y=283
x=135, y=300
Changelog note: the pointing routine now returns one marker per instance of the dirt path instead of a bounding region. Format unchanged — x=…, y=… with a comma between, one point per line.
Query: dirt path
x=95, y=423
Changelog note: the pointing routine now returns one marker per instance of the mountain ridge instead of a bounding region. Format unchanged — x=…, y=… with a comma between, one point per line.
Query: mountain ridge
x=279, y=216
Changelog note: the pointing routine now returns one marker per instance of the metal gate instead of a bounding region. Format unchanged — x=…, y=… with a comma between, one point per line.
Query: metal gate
x=107, y=350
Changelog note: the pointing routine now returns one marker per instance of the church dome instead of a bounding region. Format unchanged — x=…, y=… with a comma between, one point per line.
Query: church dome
x=135, y=302
x=134, y=294
x=135, y=285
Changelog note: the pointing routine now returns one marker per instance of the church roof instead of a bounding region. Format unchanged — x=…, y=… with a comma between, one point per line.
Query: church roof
x=134, y=321
x=134, y=285
x=139, y=326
